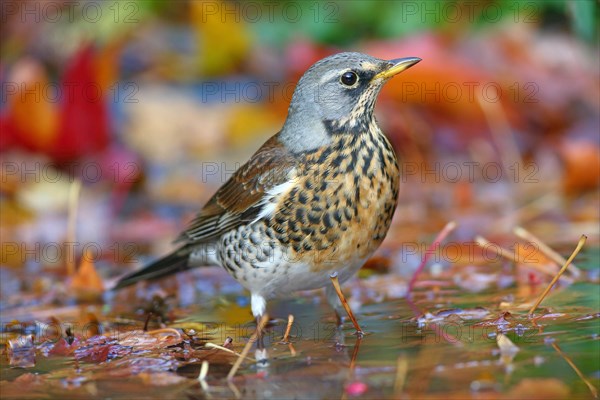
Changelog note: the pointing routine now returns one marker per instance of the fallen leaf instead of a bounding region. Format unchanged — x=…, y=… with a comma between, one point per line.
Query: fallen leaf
x=86, y=282
x=501, y=323
x=63, y=348
x=508, y=351
x=21, y=352
x=161, y=378
x=582, y=162
x=507, y=347
x=533, y=388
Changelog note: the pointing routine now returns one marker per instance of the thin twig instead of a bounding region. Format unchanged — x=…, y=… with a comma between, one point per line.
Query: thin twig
x=450, y=226
x=509, y=255
x=288, y=328
x=577, y=371
x=234, y=389
x=74, y=192
x=202, y=376
x=416, y=310
x=501, y=251
x=203, y=371
x=170, y=331
x=286, y=336
x=546, y=250
x=292, y=349
x=338, y=290
x=261, y=324
x=216, y=346
x=150, y=314
x=562, y=270
x=529, y=211
x=401, y=371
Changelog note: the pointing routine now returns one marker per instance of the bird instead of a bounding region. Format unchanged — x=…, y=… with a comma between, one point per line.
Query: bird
x=316, y=198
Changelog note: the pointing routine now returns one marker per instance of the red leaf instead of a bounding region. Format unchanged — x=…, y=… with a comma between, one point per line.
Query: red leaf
x=63, y=348
x=84, y=116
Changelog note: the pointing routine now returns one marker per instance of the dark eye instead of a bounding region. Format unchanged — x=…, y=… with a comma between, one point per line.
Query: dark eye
x=349, y=78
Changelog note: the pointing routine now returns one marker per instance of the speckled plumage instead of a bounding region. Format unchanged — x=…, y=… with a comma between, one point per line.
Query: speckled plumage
x=316, y=198
x=337, y=212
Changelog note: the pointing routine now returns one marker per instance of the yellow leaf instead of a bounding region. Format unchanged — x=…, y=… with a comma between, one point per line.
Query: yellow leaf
x=223, y=36
x=507, y=347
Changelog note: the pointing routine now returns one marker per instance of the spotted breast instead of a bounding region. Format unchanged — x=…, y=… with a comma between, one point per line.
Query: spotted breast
x=331, y=216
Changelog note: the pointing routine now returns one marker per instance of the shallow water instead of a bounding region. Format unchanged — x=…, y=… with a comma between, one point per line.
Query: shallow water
x=451, y=351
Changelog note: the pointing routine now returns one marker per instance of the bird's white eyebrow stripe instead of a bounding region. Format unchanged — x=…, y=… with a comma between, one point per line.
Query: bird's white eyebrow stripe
x=368, y=65
x=330, y=74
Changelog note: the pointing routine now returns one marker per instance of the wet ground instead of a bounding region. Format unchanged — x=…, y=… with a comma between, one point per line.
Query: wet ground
x=444, y=343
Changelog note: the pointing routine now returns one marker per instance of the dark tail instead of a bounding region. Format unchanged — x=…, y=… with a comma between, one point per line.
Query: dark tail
x=175, y=262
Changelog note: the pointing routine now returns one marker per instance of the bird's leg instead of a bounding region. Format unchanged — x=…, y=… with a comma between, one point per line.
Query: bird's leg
x=334, y=301
x=259, y=305
x=261, y=351
x=338, y=291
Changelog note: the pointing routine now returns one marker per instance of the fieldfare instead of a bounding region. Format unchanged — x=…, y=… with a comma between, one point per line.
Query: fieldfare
x=316, y=198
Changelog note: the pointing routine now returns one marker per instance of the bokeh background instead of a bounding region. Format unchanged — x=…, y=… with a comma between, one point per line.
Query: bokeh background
x=153, y=104
x=119, y=119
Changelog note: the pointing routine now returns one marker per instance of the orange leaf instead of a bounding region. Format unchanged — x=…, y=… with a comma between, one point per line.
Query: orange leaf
x=87, y=279
x=582, y=159
x=32, y=106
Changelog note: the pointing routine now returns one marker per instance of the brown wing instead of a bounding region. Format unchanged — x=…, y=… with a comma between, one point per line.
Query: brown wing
x=239, y=200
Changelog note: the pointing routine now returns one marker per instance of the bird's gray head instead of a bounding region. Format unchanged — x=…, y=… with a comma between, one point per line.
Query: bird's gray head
x=338, y=94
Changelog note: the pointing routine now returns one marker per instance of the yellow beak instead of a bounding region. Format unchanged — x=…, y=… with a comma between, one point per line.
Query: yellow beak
x=398, y=65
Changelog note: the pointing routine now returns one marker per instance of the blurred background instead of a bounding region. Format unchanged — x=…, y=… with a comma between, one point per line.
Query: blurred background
x=128, y=115
x=119, y=119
